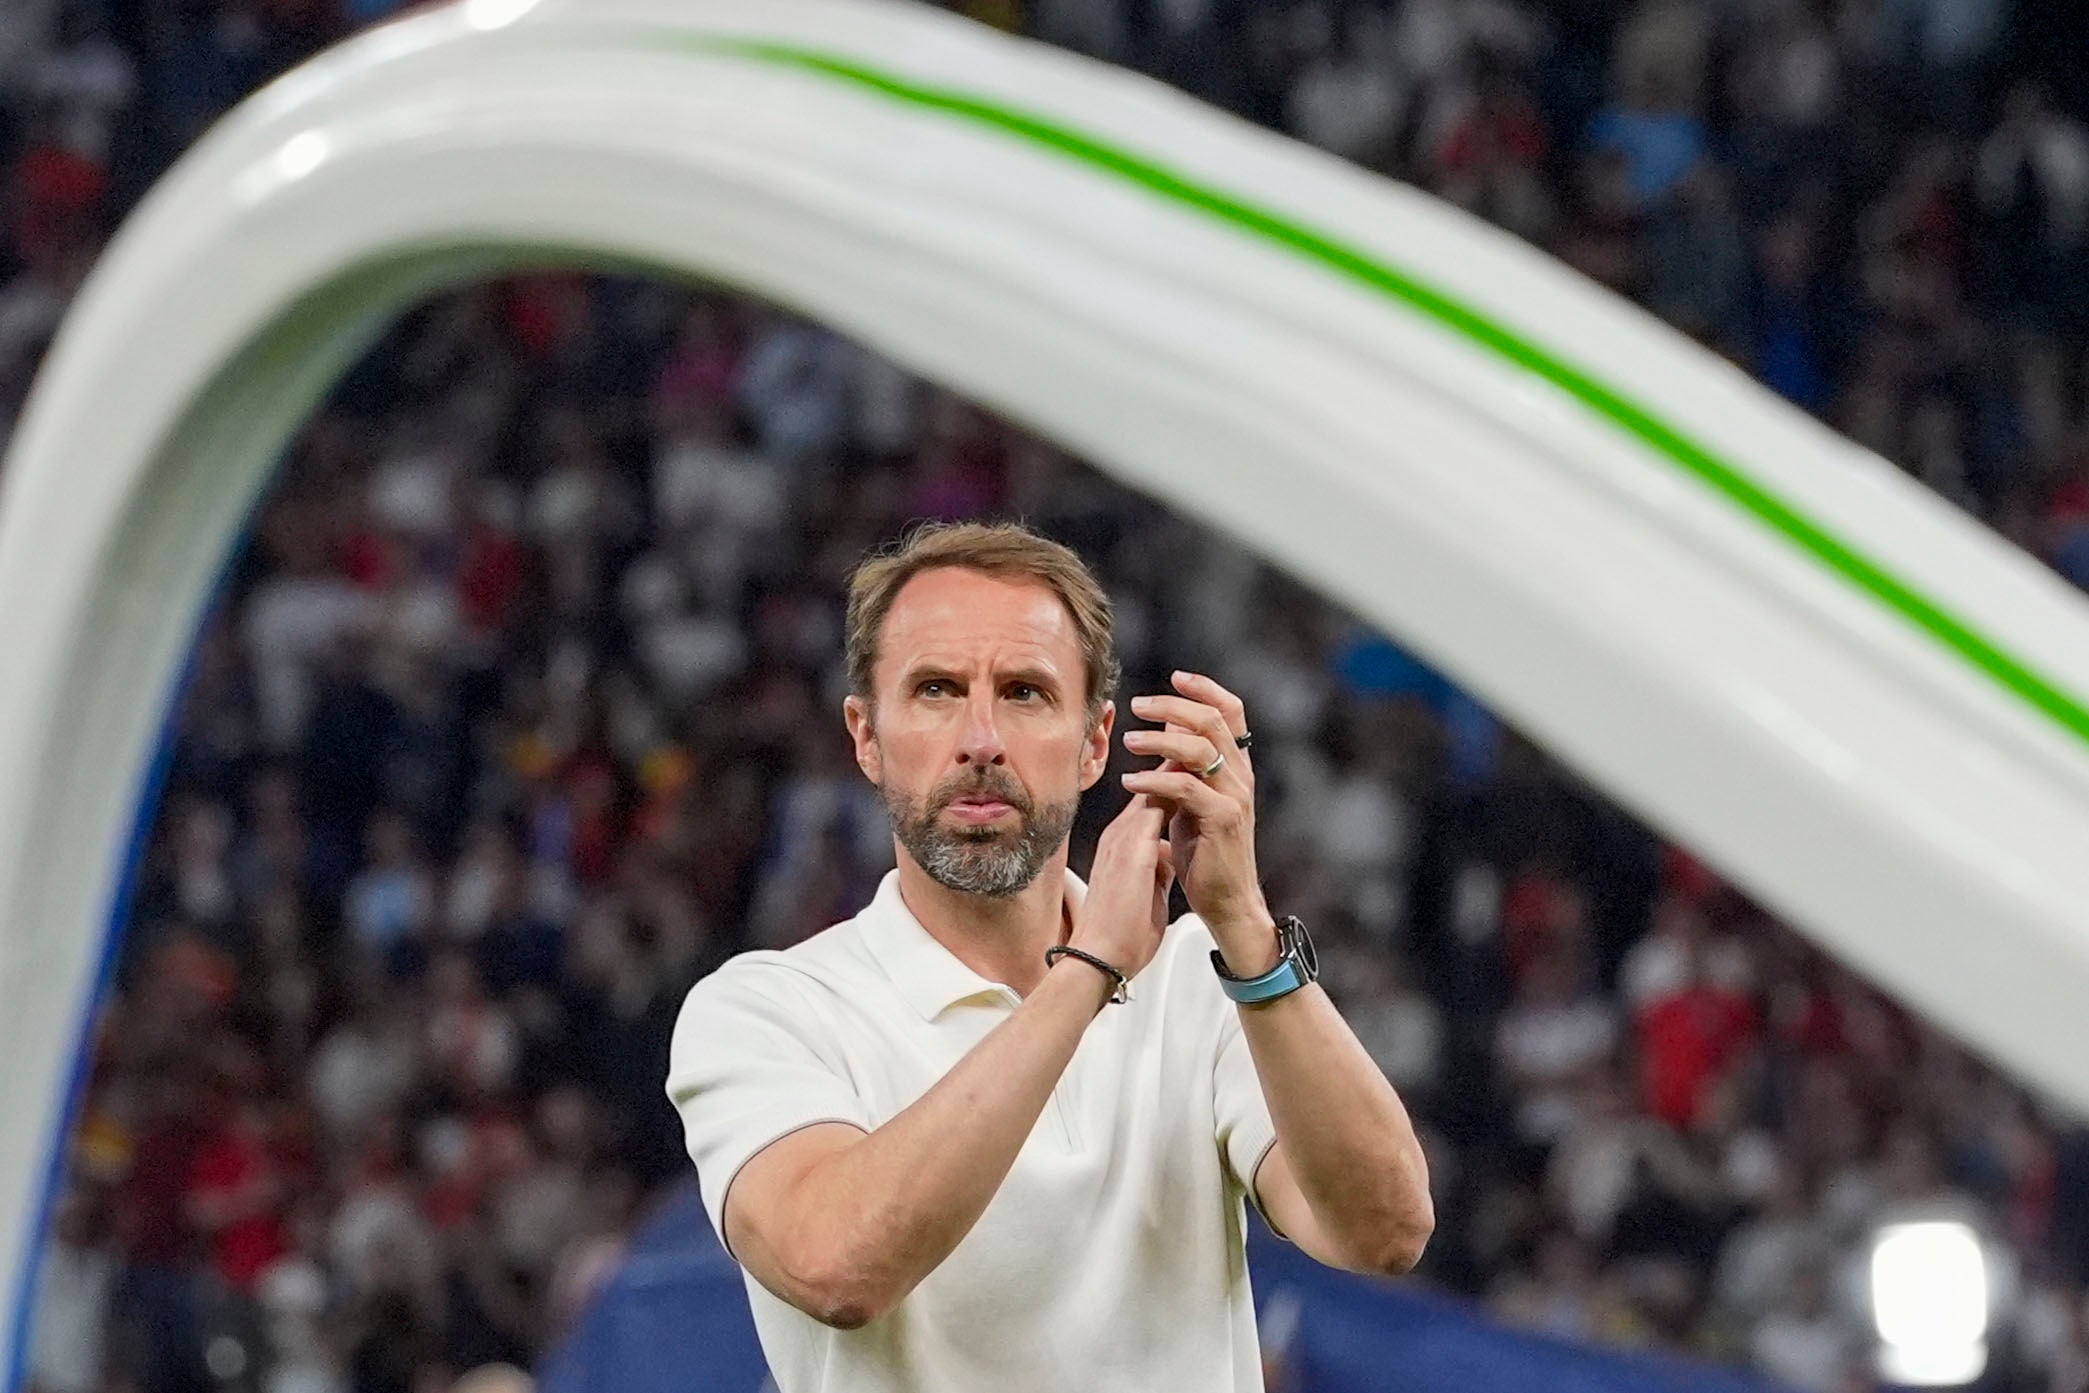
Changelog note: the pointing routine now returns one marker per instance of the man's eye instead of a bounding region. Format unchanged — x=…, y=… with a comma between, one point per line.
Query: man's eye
x=932, y=687
x=1023, y=691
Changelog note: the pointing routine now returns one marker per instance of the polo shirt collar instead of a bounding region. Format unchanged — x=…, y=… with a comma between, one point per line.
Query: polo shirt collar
x=929, y=976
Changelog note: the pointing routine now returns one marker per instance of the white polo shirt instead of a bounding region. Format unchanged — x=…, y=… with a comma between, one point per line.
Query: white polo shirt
x=1113, y=1256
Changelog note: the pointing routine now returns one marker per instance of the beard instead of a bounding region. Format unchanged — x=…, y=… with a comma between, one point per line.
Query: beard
x=996, y=861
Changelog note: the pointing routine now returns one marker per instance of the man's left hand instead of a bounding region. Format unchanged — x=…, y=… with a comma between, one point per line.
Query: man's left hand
x=1212, y=823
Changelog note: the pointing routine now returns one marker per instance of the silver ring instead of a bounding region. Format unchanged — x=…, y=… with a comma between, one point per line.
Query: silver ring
x=1218, y=762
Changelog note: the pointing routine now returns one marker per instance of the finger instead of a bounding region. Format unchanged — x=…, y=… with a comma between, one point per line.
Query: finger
x=1191, y=751
x=1198, y=687
x=1193, y=715
x=1190, y=715
x=1193, y=795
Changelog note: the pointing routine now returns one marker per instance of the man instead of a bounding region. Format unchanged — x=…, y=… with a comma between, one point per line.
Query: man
x=952, y=1150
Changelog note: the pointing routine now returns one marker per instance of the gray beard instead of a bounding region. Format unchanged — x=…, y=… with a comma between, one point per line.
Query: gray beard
x=996, y=862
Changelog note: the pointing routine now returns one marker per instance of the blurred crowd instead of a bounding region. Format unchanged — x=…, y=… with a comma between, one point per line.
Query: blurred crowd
x=519, y=711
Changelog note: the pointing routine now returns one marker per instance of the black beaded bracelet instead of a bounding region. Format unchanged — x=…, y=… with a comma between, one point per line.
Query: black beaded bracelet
x=1119, y=994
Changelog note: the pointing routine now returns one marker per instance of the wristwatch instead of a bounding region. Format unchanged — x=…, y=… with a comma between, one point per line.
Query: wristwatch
x=1298, y=966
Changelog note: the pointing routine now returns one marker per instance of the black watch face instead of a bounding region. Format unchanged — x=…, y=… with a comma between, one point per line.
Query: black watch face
x=1308, y=956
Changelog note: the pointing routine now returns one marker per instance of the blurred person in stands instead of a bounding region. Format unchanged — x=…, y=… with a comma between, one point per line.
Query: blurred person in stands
x=894, y=1137
x=159, y=1304
x=68, y=1344
x=238, y=1190
x=1555, y=1032
x=2032, y=178
x=1801, y=1341
x=1693, y=1010
x=1558, y=1294
x=1398, y=1023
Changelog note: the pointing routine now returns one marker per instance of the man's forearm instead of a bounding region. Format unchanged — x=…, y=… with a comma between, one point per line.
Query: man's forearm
x=1345, y=1134
x=887, y=1210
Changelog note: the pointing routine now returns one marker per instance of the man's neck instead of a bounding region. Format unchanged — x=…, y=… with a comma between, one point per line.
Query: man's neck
x=1003, y=940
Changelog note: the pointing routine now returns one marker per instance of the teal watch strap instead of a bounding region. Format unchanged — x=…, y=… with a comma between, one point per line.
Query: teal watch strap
x=1298, y=966
x=1281, y=980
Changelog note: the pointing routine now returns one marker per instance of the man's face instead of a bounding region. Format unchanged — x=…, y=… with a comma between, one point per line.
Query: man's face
x=980, y=741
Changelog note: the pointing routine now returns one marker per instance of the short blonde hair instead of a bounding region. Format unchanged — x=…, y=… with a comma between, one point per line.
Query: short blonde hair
x=1008, y=550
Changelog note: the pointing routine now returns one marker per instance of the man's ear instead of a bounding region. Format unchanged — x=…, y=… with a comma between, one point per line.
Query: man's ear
x=1095, y=752
x=863, y=735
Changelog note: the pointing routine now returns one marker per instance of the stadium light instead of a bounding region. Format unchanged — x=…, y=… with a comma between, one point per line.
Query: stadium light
x=495, y=14
x=1930, y=1292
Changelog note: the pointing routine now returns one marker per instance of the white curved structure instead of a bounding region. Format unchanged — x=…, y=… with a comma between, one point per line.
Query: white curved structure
x=1861, y=705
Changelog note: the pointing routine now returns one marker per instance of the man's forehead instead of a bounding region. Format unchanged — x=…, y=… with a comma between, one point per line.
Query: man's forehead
x=949, y=611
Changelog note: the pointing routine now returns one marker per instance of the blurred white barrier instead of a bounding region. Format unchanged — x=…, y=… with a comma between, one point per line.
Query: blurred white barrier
x=1862, y=706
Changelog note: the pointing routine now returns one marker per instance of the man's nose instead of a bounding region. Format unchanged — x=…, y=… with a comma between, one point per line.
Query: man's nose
x=981, y=742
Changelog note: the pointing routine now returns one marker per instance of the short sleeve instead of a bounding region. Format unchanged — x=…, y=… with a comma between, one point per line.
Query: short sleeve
x=1245, y=1131
x=1240, y=1116
x=751, y=1064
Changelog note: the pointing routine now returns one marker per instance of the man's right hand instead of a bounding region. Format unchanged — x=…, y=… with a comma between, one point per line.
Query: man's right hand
x=1125, y=912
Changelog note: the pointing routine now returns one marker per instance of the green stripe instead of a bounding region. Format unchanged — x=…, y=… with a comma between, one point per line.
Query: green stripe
x=1954, y=633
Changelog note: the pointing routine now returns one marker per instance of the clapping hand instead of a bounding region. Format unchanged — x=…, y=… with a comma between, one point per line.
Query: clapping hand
x=1206, y=783
x=1124, y=913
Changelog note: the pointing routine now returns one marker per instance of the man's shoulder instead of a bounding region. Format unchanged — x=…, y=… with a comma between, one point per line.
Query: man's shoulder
x=832, y=957
x=800, y=991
